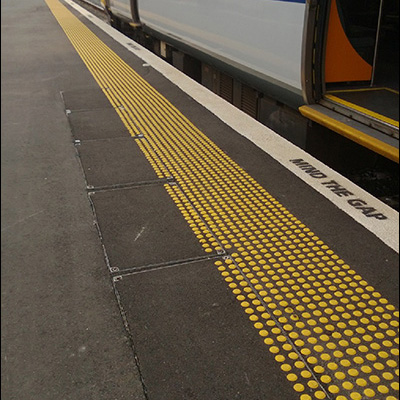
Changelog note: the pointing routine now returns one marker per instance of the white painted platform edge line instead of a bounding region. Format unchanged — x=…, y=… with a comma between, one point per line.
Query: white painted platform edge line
x=263, y=137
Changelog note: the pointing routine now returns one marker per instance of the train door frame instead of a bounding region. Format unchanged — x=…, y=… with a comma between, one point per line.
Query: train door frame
x=313, y=51
x=116, y=17
x=135, y=13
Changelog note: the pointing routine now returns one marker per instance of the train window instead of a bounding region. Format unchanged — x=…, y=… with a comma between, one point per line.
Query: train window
x=350, y=42
x=360, y=23
x=362, y=42
x=387, y=52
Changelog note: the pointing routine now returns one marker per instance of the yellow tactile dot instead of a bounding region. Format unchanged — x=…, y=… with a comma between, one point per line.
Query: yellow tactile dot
x=383, y=389
x=369, y=392
x=325, y=379
x=313, y=384
x=395, y=352
x=298, y=387
x=348, y=385
x=333, y=389
x=353, y=372
x=391, y=363
x=305, y=397
x=361, y=382
x=345, y=363
x=374, y=379
x=286, y=367
x=395, y=385
x=379, y=366
x=280, y=358
x=274, y=349
x=325, y=357
x=253, y=317
x=333, y=366
x=306, y=374
x=320, y=395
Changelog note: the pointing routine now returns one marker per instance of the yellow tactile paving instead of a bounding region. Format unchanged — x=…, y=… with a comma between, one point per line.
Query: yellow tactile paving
x=333, y=335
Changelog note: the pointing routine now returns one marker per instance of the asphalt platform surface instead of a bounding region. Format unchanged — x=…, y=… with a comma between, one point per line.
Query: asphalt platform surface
x=106, y=292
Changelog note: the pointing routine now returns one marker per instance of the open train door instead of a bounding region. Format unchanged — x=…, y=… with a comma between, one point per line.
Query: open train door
x=350, y=70
x=362, y=59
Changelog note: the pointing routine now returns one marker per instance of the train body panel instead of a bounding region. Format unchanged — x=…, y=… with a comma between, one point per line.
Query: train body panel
x=262, y=35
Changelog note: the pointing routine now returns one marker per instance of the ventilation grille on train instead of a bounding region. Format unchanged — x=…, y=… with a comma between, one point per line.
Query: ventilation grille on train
x=226, y=87
x=249, y=101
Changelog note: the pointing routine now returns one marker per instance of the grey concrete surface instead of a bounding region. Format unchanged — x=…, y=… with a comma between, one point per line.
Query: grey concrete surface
x=142, y=226
x=103, y=123
x=62, y=336
x=210, y=352
x=114, y=162
x=168, y=332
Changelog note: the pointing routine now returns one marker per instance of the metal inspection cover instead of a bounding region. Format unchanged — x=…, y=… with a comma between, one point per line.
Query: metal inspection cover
x=85, y=99
x=192, y=339
x=97, y=124
x=114, y=162
x=142, y=226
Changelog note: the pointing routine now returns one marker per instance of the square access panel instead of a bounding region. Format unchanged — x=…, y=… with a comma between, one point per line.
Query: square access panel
x=97, y=124
x=142, y=226
x=193, y=339
x=90, y=98
x=111, y=162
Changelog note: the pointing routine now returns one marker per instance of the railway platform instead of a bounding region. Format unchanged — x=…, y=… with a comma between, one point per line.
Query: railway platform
x=160, y=244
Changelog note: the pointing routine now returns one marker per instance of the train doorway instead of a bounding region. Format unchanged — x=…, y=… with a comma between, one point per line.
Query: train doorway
x=362, y=43
x=361, y=60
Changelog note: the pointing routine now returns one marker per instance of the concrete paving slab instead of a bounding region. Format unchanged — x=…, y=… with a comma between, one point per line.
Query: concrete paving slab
x=114, y=162
x=87, y=98
x=97, y=124
x=192, y=341
x=142, y=226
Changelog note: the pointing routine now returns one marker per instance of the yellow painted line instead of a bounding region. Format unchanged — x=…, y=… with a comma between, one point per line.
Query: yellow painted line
x=373, y=89
x=392, y=90
x=351, y=133
x=363, y=110
x=331, y=332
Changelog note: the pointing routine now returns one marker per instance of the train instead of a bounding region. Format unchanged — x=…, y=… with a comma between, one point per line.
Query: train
x=291, y=64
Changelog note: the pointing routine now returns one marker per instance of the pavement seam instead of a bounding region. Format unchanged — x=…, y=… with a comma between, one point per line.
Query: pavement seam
x=156, y=267
x=128, y=185
x=130, y=338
